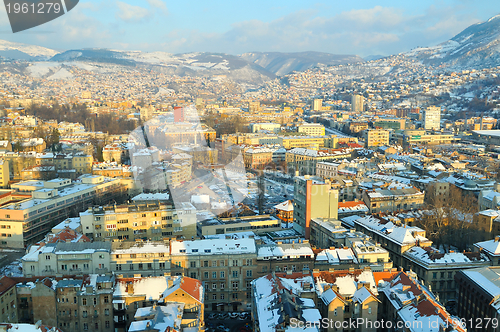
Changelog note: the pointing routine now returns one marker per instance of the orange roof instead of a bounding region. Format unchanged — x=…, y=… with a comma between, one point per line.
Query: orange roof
x=350, y=204
x=6, y=284
x=385, y=275
x=192, y=287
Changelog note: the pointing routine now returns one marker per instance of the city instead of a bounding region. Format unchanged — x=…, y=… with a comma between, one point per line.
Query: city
x=286, y=192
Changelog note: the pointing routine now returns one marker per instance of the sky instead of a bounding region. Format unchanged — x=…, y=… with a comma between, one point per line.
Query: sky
x=340, y=27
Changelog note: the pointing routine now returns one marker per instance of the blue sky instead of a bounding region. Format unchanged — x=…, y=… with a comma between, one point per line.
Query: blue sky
x=357, y=27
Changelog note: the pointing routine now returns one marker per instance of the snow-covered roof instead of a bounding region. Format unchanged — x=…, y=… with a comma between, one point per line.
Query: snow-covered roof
x=212, y=247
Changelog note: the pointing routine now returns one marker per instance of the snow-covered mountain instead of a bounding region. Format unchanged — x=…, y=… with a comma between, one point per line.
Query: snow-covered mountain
x=477, y=46
x=284, y=63
x=24, y=52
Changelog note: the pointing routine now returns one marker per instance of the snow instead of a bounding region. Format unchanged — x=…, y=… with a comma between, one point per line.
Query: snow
x=491, y=246
x=361, y=295
x=212, y=247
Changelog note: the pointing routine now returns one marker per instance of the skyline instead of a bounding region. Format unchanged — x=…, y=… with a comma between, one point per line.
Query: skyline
x=154, y=25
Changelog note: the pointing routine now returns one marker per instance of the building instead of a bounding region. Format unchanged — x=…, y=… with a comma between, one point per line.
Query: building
x=395, y=238
x=488, y=220
x=291, y=142
x=311, y=129
x=67, y=259
x=391, y=200
x=478, y=292
x=8, y=300
x=164, y=301
x=85, y=304
x=4, y=173
x=357, y=104
x=410, y=306
x=437, y=270
x=271, y=127
x=491, y=249
x=142, y=220
x=226, y=267
x=36, y=206
x=347, y=296
x=284, y=211
x=313, y=198
x=283, y=301
x=395, y=124
x=432, y=118
x=303, y=161
x=318, y=105
x=376, y=137
x=258, y=224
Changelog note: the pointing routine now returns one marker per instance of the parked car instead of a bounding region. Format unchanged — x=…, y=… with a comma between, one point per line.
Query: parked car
x=234, y=314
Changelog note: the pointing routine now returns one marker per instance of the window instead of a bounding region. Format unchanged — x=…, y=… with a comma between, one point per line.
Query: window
x=222, y=296
x=221, y=263
x=192, y=275
x=95, y=301
x=235, y=296
x=106, y=312
x=222, y=285
x=47, y=257
x=369, y=310
x=434, y=275
x=235, y=274
x=84, y=314
x=74, y=299
x=131, y=267
x=214, y=296
x=205, y=263
x=214, y=263
x=106, y=299
x=222, y=274
x=235, y=284
x=140, y=266
x=192, y=264
x=118, y=267
x=85, y=326
x=214, y=275
x=235, y=262
x=96, y=326
x=206, y=275
x=214, y=286
x=107, y=324
x=84, y=301
x=249, y=273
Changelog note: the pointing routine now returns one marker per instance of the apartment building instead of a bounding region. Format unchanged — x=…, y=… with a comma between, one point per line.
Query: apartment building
x=313, y=198
x=8, y=300
x=27, y=219
x=406, y=302
x=347, y=295
x=437, y=270
x=304, y=161
x=66, y=258
x=432, y=118
x=395, y=238
x=391, y=200
x=376, y=137
x=146, y=220
x=85, y=304
x=226, y=268
x=4, y=173
x=478, y=293
x=292, y=142
x=311, y=129
x=140, y=299
x=258, y=224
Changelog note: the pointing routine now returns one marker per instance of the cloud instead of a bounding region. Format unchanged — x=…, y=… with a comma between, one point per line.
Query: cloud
x=131, y=13
x=377, y=30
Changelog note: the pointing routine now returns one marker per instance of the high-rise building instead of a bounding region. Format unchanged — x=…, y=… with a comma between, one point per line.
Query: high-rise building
x=432, y=118
x=313, y=198
x=178, y=114
x=357, y=103
x=318, y=105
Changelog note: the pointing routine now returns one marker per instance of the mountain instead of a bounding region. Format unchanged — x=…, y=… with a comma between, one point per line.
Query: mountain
x=478, y=46
x=284, y=63
x=18, y=51
x=197, y=64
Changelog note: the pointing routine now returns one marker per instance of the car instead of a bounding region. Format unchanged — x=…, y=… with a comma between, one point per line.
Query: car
x=234, y=314
x=212, y=315
x=221, y=327
x=224, y=316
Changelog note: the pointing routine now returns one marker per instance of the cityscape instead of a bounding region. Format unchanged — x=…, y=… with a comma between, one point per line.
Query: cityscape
x=269, y=191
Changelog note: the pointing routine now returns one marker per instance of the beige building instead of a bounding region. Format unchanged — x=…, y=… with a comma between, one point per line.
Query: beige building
x=311, y=129
x=36, y=206
x=313, y=198
x=258, y=224
x=4, y=173
x=146, y=220
x=391, y=200
x=291, y=142
x=376, y=137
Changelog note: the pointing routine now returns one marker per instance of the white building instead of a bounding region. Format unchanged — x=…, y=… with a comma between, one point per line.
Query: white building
x=432, y=118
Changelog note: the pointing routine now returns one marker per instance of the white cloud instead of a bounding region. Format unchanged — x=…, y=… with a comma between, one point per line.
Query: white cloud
x=131, y=13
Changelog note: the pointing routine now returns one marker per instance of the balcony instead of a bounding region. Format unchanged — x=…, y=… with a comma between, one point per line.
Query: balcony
x=101, y=270
x=75, y=270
